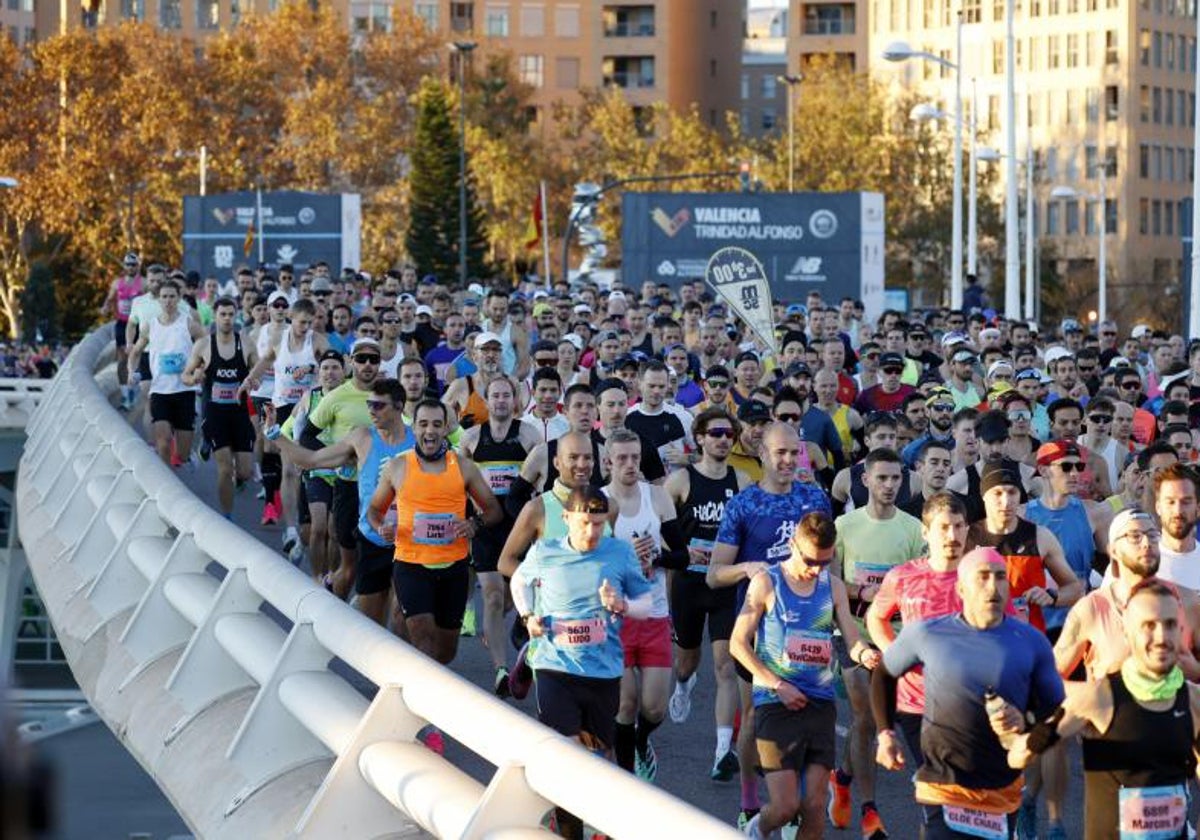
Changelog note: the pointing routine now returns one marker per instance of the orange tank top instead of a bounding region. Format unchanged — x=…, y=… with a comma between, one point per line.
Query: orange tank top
x=475, y=412
x=427, y=508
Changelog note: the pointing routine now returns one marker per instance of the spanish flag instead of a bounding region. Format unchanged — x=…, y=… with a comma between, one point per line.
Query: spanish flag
x=533, y=233
x=248, y=245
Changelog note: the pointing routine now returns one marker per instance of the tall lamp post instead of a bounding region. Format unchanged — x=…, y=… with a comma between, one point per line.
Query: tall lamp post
x=792, y=80
x=924, y=112
x=463, y=48
x=901, y=51
x=988, y=155
x=1071, y=194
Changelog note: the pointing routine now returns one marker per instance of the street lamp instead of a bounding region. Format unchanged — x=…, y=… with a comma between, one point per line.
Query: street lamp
x=463, y=48
x=9, y=183
x=899, y=51
x=988, y=155
x=792, y=80
x=1069, y=194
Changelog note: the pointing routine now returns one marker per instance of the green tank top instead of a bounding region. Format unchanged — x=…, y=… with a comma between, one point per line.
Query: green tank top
x=553, y=524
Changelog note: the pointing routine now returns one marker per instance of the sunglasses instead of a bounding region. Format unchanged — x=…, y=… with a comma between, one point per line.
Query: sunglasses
x=942, y=407
x=378, y=405
x=717, y=383
x=1020, y=414
x=788, y=417
x=1071, y=466
x=1100, y=418
x=279, y=305
x=546, y=361
x=722, y=432
x=367, y=358
x=814, y=563
x=893, y=370
x=390, y=321
x=321, y=294
x=1086, y=368
x=1130, y=386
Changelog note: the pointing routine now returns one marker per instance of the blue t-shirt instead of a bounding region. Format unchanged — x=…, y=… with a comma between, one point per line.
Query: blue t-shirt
x=582, y=638
x=441, y=359
x=760, y=524
x=819, y=428
x=961, y=663
x=1074, y=532
x=340, y=343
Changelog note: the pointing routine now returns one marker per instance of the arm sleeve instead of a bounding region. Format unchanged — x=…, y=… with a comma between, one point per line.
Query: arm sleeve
x=522, y=590
x=308, y=435
x=675, y=553
x=903, y=655
x=519, y=494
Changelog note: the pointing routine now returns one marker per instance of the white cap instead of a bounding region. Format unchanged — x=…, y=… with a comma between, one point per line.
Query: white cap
x=488, y=338
x=1167, y=381
x=424, y=310
x=616, y=294
x=476, y=289
x=576, y=340
x=278, y=294
x=999, y=364
x=1053, y=354
x=952, y=338
x=1120, y=362
x=989, y=332
x=1121, y=522
x=1140, y=330
x=583, y=308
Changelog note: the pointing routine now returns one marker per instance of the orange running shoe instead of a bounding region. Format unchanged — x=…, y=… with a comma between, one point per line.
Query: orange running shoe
x=839, y=801
x=872, y=824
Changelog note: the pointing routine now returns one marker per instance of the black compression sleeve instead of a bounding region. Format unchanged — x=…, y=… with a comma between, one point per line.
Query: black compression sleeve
x=519, y=493
x=825, y=478
x=675, y=553
x=883, y=698
x=308, y=436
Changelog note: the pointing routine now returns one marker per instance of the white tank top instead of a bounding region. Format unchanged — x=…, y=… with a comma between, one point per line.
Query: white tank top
x=169, y=347
x=266, y=385
x=390, y=368
x=295, y=370
x=645, y=521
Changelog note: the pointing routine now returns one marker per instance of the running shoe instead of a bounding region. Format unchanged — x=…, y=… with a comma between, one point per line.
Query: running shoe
x=290, y=538
x=645, y=764
x=839, y=802
x=872, y=824
x=521, y=676
x=745, y=816
x=679, y=707
x=269, y=514
x=500, y=686
x=205, y=450
x=725, y=767
x=1027, y=820
x=468, y=621
x=790, y=830
x=751, y=829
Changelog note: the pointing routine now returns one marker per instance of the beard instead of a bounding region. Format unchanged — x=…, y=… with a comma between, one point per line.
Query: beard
x=1178, y=530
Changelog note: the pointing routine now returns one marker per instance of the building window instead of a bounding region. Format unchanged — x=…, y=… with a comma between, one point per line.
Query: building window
x=133, y=10
x=1169, y=49
x=993, y=113
x=566, y=21
x=927, y=13
x=1156, y=105
x=1169, y=164
x=566, y=73
x=1090, y=49
x=530, y=69
x=1052, y=213
x=628, y=71
x=1110, y=216
x=1144, y=103
x=1156, y=163
x=1035, y=8
x=1169, y=218
x=1072, y=50
x=972, y=11
x=533, y=21
x=462, y=17
x=169, y=14
x=1110, y=161
x=1143, y=216
x=768, y=118
x=1181, y=106
x=208, y=14
x=1091, y=158
x=1091, y=221
x=1111, y=49
x=827, y=19
x=1052, y=7
x=1156, y=218
x=1092, y=107
x=1052, y=163
x=1112, y=103
x=1144, y=160
x=496, y=22
x=1157, y=49
x=1072, y=218
x=768, y=86
x=745, y=86
x=997, y=57
x=428, y=13
x=1168, y=107
x=628, y=21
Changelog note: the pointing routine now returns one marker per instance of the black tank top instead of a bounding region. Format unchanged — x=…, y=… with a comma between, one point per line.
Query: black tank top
x=1141, y=749
x=858, y=490
x=552, y=470
x=224, y=376
x=704, y=508
x=500, y=462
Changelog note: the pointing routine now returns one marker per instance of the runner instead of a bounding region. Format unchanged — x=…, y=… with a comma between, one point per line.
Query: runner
x=429, y=487
x=572, y=594
x=218, y=364
x=870, y=540
x=1175, y=503
x=118, y=304
x=271, y=465
x=541, y=467
x=965, y=786
x=1138, y=760
x=700, y=493
x=167, y=342
x=784, y=638
x=465, y=395
x=498, y=447
x=543, y=415
x=664, y=425
x=754, y=534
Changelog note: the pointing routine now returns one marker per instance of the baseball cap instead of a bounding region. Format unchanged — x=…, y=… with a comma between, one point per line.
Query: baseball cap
x=331, y=354
x=476, y=289
x=963, y=356
x=929, y=376
x=1069, y=325
x=891, y=360
x=939, y=395
x=574, y=340
x=429, y=280
x=361, y=344
x=423, y=309
x=745, y=356
x=616, y=294
x=998, y=365
x=797, y=309
x=1055, y=353
x=406, y=298
x=487, y=337
x=1140, y=331
x=999, y=473
x=717, y=372
x=542, y=309
x=1055, y=451
x=543, y=346
x=131, y=260
x=1121, y=522
x=626, y=360
x=798, y=369
x=1029, y=373
x=952, y=338
x=989, y=332
x=1119, y=362
x=322, y=284
x=277, y=295
x=753, y=411
x=582, y=309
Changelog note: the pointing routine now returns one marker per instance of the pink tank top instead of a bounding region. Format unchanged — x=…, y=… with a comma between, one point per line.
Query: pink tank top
x=127, y=290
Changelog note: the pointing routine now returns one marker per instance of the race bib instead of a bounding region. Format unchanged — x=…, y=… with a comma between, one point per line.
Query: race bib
x=699, y=553
x=500, y=476
x=171, y=364
x=975, y=823
x=808, y=650
x=870, y=574
x=1152, y=813
x=581, y=633
x=124, y=307
x=441, y=370
x=433, y=528
x=225, y=393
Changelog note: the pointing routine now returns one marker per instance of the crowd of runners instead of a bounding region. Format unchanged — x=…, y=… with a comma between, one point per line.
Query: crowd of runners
x=980, y=532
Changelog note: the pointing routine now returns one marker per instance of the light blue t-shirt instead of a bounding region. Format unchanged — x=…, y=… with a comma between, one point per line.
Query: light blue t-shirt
x=582, y=638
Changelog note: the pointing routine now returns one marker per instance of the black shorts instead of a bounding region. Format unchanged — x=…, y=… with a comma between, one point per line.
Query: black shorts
x=179, y=410
x=936, y=828
x=317, y=491
x=569, y=704
x=793, y=740
x=693, y=603
x=345, y=514
x=441, y=593
x=485, y=549
x=227, y=426
x=119, y=333
x=373, y=571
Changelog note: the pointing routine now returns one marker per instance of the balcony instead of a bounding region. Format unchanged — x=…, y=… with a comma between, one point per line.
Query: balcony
x=628, y=79
x=829, y=19
x=628, y=21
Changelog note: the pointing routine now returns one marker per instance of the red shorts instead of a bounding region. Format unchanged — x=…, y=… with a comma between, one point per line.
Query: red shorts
x=647, y=642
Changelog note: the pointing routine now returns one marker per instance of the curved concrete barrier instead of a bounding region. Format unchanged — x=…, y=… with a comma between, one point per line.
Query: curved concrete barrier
x=209, y=656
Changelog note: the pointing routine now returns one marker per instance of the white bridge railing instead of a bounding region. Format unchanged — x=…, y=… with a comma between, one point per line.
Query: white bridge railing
x=19, y=399
x=210, y=657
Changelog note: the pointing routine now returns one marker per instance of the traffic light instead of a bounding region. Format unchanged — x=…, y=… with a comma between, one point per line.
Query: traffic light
x=744, y=176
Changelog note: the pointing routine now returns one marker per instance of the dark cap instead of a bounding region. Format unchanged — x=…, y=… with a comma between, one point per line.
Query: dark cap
x=997, y=473
x=544, y=347
x=891, y=360
x=753, y=411
x=717, y=371
x=745, y=356
x=626, y=360
x=992, y=427
x=798, y=369
x=331, y=354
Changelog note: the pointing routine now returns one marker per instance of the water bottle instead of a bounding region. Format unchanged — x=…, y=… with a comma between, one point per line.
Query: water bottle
x=995, y=704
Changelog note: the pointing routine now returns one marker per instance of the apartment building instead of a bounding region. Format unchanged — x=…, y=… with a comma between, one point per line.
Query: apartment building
x=17, y=21
x=1099, y=82
x=678, y=52
x=192, y=19
x=763, y=97
x=827, y=27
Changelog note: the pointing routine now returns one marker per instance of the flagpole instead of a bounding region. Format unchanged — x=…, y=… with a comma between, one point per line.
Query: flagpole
x=545, y=231
x=258, y=215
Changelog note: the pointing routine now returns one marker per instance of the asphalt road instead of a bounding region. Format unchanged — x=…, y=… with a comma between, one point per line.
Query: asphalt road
x=685, y=751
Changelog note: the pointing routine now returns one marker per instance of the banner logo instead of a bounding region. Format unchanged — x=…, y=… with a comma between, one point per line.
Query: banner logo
x=737, y=276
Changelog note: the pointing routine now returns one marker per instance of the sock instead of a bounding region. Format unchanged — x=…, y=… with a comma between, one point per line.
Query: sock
x=644, y=728
x=750, y=794
x=843, y=778
x=724, y=740
x=869, y=805
x=272, y=474
x=623, y=745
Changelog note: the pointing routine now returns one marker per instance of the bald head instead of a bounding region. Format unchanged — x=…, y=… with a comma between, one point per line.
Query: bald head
x=983, y=587
x=973, y=561
x=825, y=376
x=778, y=433
x=574, y=459
x=780, y=451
